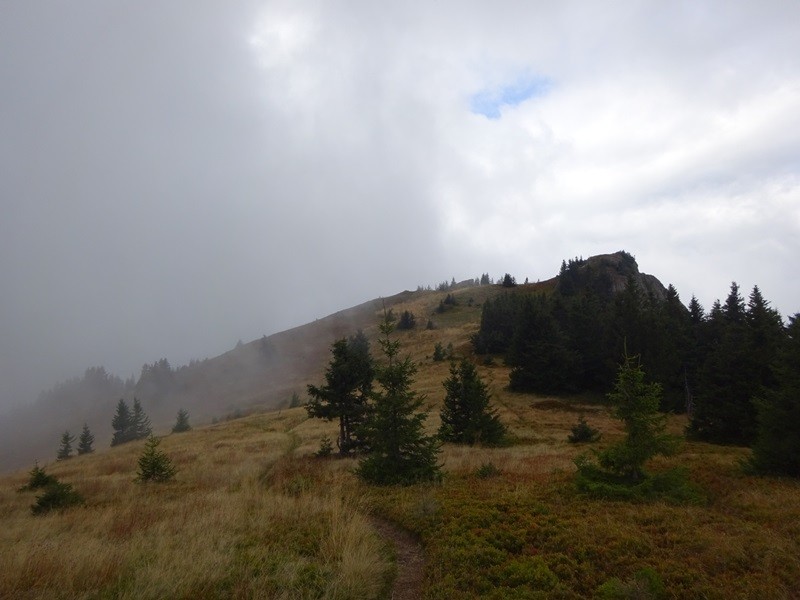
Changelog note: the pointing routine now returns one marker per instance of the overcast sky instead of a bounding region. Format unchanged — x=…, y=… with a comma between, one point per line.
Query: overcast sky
x=179, y=175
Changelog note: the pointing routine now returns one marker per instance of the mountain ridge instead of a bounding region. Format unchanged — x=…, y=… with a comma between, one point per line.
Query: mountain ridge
x=259, y=375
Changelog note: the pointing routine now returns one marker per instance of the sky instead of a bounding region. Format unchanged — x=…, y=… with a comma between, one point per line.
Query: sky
x=177, y=176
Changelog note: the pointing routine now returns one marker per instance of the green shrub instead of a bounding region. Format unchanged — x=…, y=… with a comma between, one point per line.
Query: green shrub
x=646, y=584
x=671, y=486
x=38, y=479
x=325, y=448
x=583, y=432
x=56, y=496
x=487, y=470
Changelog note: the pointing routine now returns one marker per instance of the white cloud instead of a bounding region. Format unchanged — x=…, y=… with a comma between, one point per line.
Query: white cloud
x=334, y=146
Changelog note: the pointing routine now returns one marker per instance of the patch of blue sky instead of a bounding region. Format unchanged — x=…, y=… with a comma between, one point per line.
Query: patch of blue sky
x=489, y=102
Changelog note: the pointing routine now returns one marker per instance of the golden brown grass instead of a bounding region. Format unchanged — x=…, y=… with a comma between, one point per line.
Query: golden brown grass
x=247, y=516
x=252, y=515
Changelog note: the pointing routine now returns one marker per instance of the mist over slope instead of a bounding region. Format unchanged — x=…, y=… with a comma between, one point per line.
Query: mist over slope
x=260, y=375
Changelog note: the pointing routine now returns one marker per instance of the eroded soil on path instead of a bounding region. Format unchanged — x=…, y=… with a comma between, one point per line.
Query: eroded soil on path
x=410, y=558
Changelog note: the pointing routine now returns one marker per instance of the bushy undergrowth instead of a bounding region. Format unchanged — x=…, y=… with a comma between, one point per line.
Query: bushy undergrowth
x=38, y=479
x=671, y=485
x=583, y=432
x=645, y=584
x=56, y=496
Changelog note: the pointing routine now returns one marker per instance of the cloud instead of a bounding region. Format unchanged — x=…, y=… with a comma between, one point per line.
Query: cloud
x=173, y=181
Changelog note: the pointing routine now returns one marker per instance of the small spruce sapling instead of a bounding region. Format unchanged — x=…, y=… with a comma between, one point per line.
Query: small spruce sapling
x=583, y=432
x=466, y=415
x=181, y=422
x=65, y=451
x=37, y=479
x=154, y=465
x=56, y=496
x=86, y=441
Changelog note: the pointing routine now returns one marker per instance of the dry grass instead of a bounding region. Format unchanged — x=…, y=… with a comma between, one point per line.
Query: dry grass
x=248, y=516
x=252, y=515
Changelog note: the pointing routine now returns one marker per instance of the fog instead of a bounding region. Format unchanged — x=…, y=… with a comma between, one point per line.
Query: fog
x=175, y=177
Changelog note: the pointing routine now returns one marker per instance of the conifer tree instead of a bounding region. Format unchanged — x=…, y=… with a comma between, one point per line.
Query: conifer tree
x=65, y=451
x=140, y=422
x=407, y=320
x=741, y=345
x=85, y=441
x=348, y=382
x=154, y=465
x=777, y=446
x=38, y=479
x=399, y=450
x=122, y=422
x=636, y=404
x=181, y=422
x=466, y=416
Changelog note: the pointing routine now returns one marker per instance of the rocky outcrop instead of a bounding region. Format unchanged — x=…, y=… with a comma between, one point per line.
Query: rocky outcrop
x=607, y=274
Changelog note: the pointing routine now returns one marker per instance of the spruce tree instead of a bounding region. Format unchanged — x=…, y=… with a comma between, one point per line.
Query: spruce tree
x=344, y=396
x=38, y=479
x=636, y=404
x=407, y=320
x=85, y=441
x=65, y=451
x=777, y=446
x=741, y=344
x=122, y=422
x=140, y=422
x=181, y=422
x=466, y=416
x=154, y=465
x=399, y=450
x=540, y=355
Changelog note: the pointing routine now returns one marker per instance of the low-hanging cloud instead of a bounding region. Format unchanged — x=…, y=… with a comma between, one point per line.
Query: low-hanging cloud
x=175, y=178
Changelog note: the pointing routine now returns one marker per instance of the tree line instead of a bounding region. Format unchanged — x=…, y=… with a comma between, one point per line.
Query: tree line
x=129, y=424
x=735, y=369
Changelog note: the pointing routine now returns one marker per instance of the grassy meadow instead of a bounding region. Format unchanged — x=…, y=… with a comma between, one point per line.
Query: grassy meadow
x=252, y=514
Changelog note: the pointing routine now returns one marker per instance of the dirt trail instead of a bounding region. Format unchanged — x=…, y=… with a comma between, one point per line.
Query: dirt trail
x=410, y=560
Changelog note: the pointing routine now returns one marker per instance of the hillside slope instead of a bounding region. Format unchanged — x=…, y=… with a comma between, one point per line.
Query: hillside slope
x=252, y=513
x=264, y=373
x=256, y=376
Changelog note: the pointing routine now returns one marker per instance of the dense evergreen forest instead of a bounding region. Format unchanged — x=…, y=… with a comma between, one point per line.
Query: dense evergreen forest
x=717, y=366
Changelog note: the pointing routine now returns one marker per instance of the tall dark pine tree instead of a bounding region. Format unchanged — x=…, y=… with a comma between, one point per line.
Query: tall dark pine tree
x=348, y=383
x=466, y=416
x=741, y=344
x=141, y=427
x=777, y=446
x=540, y=353
x=669, y=349
x=65, y=451
x=765, y=336
x=399, y=450
x=86, y=441
x=122, y=422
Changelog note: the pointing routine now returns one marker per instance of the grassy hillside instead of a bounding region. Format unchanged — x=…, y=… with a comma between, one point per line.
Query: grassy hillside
x=252, y=514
